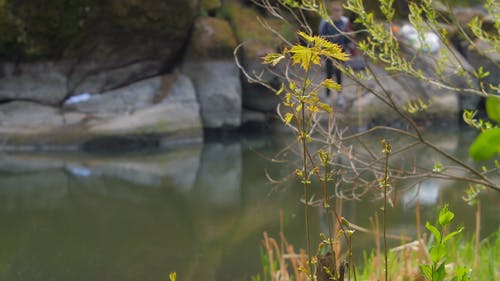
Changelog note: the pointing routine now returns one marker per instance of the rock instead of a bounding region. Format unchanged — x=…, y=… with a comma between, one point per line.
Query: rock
x=28, y=117
x=484, y=55
x=218, y=89
x=122, y=100
x=210, y=66
x=102, y=44
x=210, y=6
x=364, y=107
x=93, y=77
x=447, y=66
x=257, y=42
x=212, y=38
x=27, y=126
x=465, y=14
x=42, y=82
x=165, y=107
x=257, y=97
x=249, y=116
x=175, y=115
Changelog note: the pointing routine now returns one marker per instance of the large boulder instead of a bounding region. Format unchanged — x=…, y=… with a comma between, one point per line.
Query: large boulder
x=25, y=117
x=40, y=82
x=443, y=64
x=120, y=101
x=218, y=88
x=215, y=76
x=363, y=108
x=173, y=112
x=102, y=45
x=165, y=107
x=257, y=41
x=210, y=7
x=482, y=54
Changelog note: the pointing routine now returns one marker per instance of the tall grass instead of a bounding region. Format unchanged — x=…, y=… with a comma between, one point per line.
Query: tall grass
x=284, y=263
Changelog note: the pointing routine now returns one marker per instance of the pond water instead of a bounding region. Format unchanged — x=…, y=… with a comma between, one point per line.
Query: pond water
x=199, y=210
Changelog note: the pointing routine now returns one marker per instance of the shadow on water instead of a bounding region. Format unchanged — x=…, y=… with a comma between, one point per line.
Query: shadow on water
x=199, y=210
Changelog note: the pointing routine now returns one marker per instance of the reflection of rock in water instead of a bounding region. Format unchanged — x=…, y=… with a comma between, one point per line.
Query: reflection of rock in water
x=178, y=167
x=48, y=180
x=219, y=176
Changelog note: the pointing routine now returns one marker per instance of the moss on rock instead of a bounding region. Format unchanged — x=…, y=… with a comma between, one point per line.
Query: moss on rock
x=212, y=38
x=210, y=6
x=73, y=28
x=259, y=40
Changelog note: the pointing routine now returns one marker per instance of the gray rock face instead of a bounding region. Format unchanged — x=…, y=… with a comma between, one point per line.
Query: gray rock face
x=95, y=46
x=22, y=116
x=122, y=100
x=485, y=56
x=93, y=77
x=177, y=112
x=162, y=106
x=218, y=88
x=255, y=96
x=40, y=82
x=362, y=106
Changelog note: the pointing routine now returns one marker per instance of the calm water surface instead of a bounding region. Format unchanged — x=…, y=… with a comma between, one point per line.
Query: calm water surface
x=199, y=210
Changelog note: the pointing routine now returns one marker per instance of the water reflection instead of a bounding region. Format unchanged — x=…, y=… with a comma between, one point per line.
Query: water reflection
x=198, y=210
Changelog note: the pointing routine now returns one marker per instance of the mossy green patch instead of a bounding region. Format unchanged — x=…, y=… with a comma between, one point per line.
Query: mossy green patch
x=212, y=38
x=248, y=29
x=210, y=5
x=41, y=28
x=53, y=29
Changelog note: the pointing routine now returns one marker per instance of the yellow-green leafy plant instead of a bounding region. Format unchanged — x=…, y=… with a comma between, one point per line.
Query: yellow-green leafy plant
x=301, y=107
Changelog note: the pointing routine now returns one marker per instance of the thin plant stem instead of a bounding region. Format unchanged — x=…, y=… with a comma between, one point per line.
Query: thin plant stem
x=327, y=206
x=387, y=151
x=478, y=228
x=304, y=166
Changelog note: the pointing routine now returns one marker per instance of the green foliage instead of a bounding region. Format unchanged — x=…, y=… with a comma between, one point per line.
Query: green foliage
x=436, y=270
x=173, y=276
x=486, y=145
x=493, y=108
x=472, y=192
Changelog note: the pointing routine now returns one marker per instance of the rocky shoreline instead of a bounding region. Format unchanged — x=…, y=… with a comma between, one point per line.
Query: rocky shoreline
x=164, y=71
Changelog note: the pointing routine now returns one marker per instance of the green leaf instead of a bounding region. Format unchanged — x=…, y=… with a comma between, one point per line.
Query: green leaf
x=304, y=56
x=173, y=276
x=278, y=92
x=330, y=84
x=493, y=107
x=273, y=58
x=426, y=271
x=454, y=233
x=440, y=273
x=288, y=118
x=438, y=252
x=434, y=231
x=445, y=216
x=486, y=145
x=462, y=274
